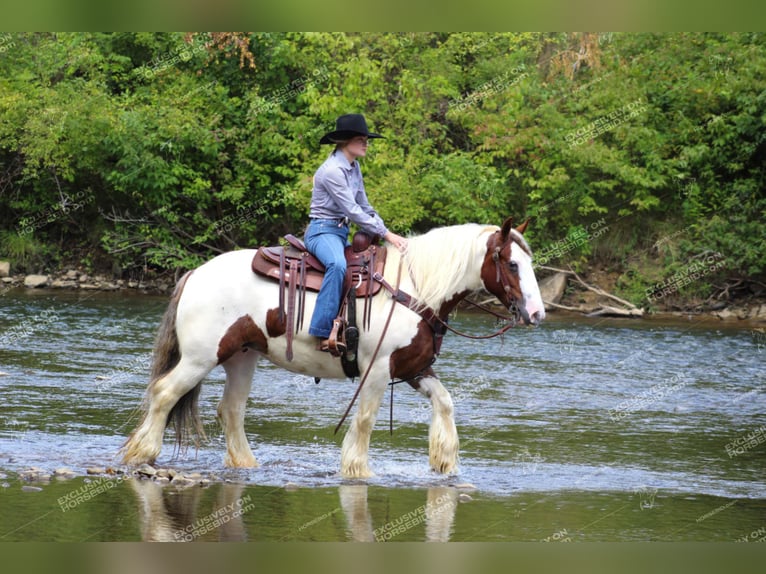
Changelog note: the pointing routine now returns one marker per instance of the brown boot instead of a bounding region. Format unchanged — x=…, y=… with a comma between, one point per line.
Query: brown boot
x=332, y=344
x=336, y=349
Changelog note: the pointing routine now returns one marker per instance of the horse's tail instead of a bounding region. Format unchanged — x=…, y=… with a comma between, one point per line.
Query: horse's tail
x=184, y=416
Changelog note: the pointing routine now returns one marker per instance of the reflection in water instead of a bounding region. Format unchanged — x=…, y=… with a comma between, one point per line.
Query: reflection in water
x=171, y=515
x=438, y=513
x=167, y=514
x=353, y=501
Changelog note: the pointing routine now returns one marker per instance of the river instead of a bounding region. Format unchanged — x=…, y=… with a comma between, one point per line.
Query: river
x=578, y=430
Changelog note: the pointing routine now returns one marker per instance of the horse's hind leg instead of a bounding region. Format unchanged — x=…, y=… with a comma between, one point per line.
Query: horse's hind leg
x=145, y=444
x=443, y=442
x=231, y=410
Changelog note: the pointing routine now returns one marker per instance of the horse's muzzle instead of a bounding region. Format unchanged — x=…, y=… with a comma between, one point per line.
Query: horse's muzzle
x=534, y=318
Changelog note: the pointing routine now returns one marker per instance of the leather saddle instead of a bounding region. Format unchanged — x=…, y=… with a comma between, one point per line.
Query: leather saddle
x=297, y=271
x=363, y=259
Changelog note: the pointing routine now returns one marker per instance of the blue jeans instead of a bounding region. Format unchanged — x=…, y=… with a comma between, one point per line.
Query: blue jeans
x=327, y=241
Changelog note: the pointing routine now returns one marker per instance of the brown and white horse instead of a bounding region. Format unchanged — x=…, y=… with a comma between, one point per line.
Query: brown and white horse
x=223, y=314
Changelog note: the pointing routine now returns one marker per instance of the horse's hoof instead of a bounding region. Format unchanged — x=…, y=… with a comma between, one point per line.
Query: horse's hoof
x=444, y=466
x=357, y=472
x=131, y=457
x=241, y=462
x=445, y=469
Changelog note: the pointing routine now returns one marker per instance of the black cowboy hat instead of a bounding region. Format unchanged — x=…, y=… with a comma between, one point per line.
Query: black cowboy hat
x=346, y=127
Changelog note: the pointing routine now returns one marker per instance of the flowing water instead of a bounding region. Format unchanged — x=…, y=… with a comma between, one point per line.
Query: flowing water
x=579, y=430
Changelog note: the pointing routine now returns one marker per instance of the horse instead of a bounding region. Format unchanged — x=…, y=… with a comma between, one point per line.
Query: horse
x=221, y=313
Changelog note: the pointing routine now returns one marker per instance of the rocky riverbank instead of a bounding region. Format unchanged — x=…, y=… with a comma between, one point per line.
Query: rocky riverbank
x=37, y=476
x=567, y=292
x=79, y=279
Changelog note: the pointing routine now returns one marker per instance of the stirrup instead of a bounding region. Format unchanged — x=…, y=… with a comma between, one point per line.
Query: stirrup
x=334, y=344
x=335, y=348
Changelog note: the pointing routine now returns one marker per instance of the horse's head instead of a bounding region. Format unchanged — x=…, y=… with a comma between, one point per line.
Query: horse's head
x=507, y=273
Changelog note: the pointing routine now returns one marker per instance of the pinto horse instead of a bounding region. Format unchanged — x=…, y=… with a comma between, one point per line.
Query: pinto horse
x=221, y=313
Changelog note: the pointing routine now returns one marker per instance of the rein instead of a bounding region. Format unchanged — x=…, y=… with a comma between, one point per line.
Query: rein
x=374, y=355
x=440, y=326
x=512, y=322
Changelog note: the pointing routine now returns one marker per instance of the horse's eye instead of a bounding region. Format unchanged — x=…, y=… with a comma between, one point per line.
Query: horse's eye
x=513, y=266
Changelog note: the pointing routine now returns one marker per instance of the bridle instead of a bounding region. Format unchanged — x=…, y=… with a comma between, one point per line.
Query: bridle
x=439, y=324
x=501, y=277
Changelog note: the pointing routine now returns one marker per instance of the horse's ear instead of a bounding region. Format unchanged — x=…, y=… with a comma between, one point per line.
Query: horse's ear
x=523, y=227
x=506, y=229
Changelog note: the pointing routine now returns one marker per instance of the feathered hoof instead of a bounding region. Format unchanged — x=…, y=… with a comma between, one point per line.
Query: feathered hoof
x=138, y=450
x=443, y=452
x=242, y=461
x=444, y=467
x=134, y=457
x=356, y=470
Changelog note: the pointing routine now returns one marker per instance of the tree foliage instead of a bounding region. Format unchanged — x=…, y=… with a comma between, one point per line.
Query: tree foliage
x=164, y=149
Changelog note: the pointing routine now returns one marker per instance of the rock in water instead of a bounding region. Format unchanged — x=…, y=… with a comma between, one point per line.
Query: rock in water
x=62, y=284
x=724, y=314
x=552, y=288
x=182, y=481
x=34, y=281
x=35, y=474
x=147, y=470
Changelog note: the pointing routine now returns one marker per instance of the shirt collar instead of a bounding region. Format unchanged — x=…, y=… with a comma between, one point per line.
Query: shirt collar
x=341, y=159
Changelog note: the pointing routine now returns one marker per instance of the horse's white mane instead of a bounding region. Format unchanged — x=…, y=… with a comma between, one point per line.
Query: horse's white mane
x=438, y=261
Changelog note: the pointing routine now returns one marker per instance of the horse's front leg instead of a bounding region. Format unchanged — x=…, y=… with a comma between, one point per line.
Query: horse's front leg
x=443, y=442
x=356, y=443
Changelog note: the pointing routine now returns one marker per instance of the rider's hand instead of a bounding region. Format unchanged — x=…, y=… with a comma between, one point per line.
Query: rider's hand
x=397, y=240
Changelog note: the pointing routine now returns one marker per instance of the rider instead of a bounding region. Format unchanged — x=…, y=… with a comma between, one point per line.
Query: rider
x=337, y=198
